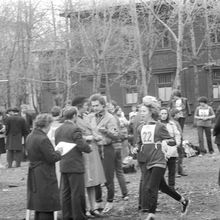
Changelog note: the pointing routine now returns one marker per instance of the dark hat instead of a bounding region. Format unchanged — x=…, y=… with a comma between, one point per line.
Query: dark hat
x=79, y=100
x=8, y=110
x=15, y=109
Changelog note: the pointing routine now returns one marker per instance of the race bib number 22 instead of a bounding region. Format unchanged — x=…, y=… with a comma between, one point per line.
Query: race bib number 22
x=147, y=134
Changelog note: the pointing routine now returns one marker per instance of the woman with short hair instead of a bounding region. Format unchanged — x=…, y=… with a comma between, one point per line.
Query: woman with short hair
x=42, y=186
x=152, y=154
x=204, y=114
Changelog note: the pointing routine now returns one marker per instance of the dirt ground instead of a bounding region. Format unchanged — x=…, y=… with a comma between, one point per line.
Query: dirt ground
x=200, y=186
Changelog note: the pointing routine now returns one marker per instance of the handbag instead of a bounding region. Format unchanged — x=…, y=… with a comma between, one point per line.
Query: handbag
x=168, y=150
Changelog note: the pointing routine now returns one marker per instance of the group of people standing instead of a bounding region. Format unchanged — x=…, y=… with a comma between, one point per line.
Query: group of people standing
x=93, y=161
x=100, y=132
x=100, y=135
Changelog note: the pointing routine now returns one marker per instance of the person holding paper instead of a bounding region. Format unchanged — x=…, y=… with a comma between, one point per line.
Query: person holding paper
x=72, y=167
x=42, y=186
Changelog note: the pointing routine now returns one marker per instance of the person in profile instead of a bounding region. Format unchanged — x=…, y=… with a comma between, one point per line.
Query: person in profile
x=72, y=167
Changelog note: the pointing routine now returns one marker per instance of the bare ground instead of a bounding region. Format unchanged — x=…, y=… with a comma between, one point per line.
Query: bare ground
x=200, y=186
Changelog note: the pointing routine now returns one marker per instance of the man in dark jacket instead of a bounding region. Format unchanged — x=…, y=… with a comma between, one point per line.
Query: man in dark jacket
x=72, y=168
x=16, y=130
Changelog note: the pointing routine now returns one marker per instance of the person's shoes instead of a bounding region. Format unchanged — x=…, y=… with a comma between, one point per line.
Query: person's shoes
x=99, y=206
x=96, y=213
x=125, y=198
x=150, y=216
x=211, y=152
x=178, y=175
x=185, y=206
x=183, y=174
x=108, y=207
x=89, y=215
x=139, y=207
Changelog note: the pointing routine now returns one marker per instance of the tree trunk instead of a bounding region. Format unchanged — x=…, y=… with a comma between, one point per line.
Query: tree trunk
x=179, y=48
x=144, y=87
x=98, y=77
x=108, y=95
x=208, y=50
x=195, y=67
x=67, y=57
x=150, y=47
x=8, y=73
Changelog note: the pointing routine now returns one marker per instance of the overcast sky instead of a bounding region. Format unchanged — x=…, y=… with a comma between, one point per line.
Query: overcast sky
x=87, y=4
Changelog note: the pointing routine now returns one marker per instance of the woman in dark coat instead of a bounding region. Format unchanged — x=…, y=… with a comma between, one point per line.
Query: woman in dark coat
x=216, y=129
x=42, y=186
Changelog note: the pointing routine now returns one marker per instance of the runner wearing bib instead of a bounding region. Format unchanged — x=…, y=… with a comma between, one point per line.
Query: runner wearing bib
x=153, y=164
x=204, y=115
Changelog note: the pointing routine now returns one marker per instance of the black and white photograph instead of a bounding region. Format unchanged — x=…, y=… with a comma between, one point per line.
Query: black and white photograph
x=110, y=109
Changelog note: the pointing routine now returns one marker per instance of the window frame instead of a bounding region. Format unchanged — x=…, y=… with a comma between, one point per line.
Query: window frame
x=131, y=91
x=161, y=42
x=168, y=83
x=216, y=82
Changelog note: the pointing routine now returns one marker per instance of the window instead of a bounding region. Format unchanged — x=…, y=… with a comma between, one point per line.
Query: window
x=214, y=23
x=216, y=84
x=216, y=91
x=165, y=86
x=215, y=36
x=131, y=96
x=103, y=82
x=165, y=41
x=164, y=93
x=129, y=82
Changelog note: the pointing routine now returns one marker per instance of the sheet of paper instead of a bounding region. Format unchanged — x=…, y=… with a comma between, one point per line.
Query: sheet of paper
x=65, y=146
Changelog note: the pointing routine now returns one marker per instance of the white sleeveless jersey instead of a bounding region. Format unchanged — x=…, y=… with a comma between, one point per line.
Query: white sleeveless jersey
x=147, y=134
x=204, y=112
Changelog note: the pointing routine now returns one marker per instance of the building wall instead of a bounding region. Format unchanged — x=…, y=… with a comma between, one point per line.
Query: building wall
x=163, y=61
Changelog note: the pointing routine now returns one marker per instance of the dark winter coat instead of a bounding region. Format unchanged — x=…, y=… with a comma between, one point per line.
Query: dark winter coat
x=42, y=186
x=15, y=130
x=72, y=162
x=216, y=130
x=181, y=104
